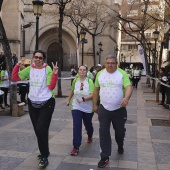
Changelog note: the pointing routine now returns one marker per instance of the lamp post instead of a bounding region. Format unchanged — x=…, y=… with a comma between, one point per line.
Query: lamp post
x=100, y=51
x=83, y=40
x=37, y=9
x=123, y=60
x=149, y=47
x=155, y=34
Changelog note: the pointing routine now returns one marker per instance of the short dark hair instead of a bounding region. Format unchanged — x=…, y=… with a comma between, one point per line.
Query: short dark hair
x=40, y=51
x=83, y=66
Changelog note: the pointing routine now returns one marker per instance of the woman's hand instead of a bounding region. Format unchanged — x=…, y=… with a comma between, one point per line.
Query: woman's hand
x=21, y=62
x=79, y=100
x=67, y=103
x=55, y=68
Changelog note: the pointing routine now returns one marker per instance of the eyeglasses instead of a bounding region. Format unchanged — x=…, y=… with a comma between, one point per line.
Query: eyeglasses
x=40, y=58
x=81, y=86
x=110, y=63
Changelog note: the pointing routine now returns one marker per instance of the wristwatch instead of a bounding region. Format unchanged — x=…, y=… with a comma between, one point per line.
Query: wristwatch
x=83, y=99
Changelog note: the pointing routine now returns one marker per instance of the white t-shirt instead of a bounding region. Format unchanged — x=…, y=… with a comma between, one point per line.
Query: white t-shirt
x=112, y=88
x=81, y=91
x=136, y=73
x=39, y=90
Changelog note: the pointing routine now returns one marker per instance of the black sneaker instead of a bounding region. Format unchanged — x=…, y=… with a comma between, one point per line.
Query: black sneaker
x=103, y=162
x=160, y=104
x=120, y=151
x=43, y=162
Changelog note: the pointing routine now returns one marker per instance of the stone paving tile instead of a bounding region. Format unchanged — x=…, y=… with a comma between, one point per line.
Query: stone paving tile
x=18, y=141
x=127, y=164
x=131, y=132
x=146, y=166
x=6, y=120
x=9, y=163
x=24, y=125
x=146, y=157
x=14, y=154
x=156, y=141
x=162, y=153
x=163, y=166
x=57, y=125
x=132, y=118
x=160, y=132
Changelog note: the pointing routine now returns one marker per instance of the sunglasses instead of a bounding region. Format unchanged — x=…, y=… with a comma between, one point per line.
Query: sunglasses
x=81, y=86
x=37, y=57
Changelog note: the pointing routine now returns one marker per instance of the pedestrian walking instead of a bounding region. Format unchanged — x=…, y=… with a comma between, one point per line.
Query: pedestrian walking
x=14, y=59
x=113, y=86
x=5, y=83
x=23, y=87
x=80, y=99
x=162, y=89
x=136, y=77
x=41, y=99
x=73, y=73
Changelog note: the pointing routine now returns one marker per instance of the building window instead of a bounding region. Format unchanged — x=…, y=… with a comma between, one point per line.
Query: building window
x=131, y=47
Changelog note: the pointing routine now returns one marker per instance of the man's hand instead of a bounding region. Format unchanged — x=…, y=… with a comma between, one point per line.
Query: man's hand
x=124, y=102
x=95, y=107
x=55, y=68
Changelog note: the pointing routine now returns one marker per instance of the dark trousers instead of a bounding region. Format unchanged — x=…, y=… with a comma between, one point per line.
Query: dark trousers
x=136, y=81
x=117, y=118
x=1, y=99
x=23, y=90
x=41, y=119
x=78, y=117
x=5, y=90
x=163, y=97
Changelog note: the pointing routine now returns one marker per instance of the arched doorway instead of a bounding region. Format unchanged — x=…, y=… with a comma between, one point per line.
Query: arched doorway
x=53, y=54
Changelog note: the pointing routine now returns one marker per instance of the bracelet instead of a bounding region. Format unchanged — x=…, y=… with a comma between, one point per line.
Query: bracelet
x=83, y=99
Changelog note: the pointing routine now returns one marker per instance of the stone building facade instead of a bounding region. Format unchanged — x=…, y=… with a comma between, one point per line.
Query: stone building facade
x=20, y=25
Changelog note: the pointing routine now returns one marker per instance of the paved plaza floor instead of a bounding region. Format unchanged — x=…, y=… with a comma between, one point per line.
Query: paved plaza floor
x=147, y=146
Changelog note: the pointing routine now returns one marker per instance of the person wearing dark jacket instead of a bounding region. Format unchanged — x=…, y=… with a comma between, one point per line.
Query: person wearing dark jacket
x=163, y=79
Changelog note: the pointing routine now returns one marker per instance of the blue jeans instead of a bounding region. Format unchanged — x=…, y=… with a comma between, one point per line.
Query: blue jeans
x=78, y=116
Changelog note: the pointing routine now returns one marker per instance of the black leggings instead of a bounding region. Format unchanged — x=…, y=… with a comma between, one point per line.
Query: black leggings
x=41, y=119
x=136, y=81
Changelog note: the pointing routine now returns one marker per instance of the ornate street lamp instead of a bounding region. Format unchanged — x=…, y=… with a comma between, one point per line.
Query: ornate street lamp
x=123, y=60
x=155, y=36
x=149, y=47
x=100, y=51
x=37, y=9
x=83, y=40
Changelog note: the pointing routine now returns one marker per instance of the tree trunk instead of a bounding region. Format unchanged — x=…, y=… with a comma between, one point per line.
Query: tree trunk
x=8, y=55
x=94, y=54
x=61, y=10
